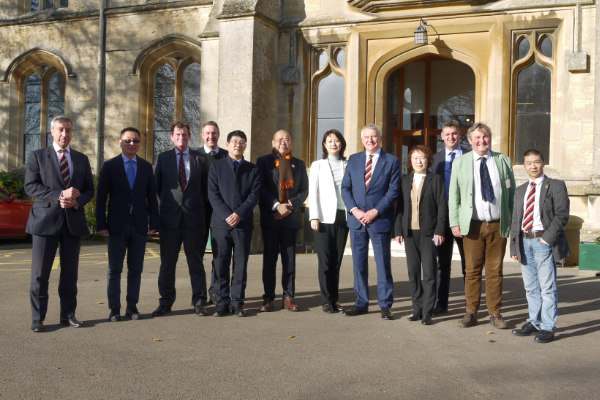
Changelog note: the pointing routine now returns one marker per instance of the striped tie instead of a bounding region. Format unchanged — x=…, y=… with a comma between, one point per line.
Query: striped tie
x=528, y=217
x=368, y=171
x=64, y=167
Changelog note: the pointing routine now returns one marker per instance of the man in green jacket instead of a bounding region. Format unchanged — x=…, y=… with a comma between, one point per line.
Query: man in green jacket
x=482, y=187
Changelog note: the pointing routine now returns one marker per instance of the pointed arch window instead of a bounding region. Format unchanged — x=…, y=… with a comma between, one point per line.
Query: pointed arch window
x=40, y=5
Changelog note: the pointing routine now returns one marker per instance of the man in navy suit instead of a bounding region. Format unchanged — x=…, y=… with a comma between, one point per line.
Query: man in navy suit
x=180, y=175
x=442, y=165
x=127, y=182
x=233, y=191
x=370, y=187
x=60, y=180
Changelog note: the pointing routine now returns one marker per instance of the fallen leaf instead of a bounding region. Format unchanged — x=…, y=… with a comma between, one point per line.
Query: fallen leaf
x=489, y=332
x=99, y=302
x=492, y=341
x=95, y=280
x=157, y=340
x=290, y=337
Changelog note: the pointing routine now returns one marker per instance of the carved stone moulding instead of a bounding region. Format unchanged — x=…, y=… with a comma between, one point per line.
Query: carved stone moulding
x=375, y=6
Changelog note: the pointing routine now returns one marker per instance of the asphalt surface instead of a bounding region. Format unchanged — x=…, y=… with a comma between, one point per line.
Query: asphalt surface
x=287, y=355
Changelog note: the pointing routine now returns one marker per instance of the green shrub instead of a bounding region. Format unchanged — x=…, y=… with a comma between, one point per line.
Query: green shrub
x=13, y=183
x=90, y=211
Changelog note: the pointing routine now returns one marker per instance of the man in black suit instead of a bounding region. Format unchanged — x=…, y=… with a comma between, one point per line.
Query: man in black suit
x=127, y=182
x=284, y=189
x=211, y=152
x=233, y=191
x=180, y=175
x=442, y=165
x=60, y=180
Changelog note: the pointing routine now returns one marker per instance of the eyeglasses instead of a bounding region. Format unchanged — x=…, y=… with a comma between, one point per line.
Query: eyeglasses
x=238, y=142
x=129, y=141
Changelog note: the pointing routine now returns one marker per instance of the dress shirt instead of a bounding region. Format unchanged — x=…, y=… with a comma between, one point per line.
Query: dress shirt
x=458, y=151
x=186, y=161
x=537, y=220
x=57, y=149
x=126, y=160
x=208, y=149
x=483, y=210
x=375, y=158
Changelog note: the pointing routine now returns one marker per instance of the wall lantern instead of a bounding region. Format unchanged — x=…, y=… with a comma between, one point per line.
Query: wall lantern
x=421, y=32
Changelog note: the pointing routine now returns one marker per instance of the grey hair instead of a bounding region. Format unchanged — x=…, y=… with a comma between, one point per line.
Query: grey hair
x=480, y=126
x=371, y=126
x=62, y=119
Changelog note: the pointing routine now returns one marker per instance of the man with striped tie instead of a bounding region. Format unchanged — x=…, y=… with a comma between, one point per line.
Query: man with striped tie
x=60, y=180
x=537, y=240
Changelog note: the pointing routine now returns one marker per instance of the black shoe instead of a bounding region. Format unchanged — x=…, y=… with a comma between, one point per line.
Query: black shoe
x=328, y=308
x=211, y=300
x=200, y=310
x=354, y=311
x=386, y=313
x=132, y=313
x=544, y=336
x=525, y=330
x=426, y=321
x=414, y=317
x=440, y=310
x=337, y=307
x=240, y=312
x=221, y=312
x=71, y=321
x=161, y=310
x=37, y=325
x=115, y=315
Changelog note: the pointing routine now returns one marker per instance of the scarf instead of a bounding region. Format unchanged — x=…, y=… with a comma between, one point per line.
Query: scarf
x=286, y=178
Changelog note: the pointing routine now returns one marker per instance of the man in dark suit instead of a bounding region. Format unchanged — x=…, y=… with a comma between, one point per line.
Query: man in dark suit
x=442, y=165
x=60, y=180
x=180, y=175
x=233, y=191
x=211, y=152
x=370, y=187
x=127, y=182
x=284, y=189
x=537, y=240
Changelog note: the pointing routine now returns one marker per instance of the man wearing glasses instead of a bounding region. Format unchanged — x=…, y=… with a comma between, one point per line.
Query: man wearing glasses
x=127, y=182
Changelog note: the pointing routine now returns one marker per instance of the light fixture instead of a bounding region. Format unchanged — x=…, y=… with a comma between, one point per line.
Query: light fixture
x=421, y=32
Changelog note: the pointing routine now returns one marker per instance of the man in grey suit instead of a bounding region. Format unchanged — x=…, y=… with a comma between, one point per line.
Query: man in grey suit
x=537, y=240
x=60, y=180
x=180, y=185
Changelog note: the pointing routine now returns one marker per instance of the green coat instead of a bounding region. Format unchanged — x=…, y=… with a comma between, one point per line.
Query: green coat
x=460, y=197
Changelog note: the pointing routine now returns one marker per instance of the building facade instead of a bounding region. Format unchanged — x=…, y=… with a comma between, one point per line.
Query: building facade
x=527, y=68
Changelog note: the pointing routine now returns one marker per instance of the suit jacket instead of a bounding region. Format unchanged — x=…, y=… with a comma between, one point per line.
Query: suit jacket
x=460, y=198
x=114, y=185
x=322, y=198
x=209, y=160
x=383, y=190
x=231, y=192
x=433, y=206
x=44, y=182
x=269, y=193
x=554, y=213
x=179, y=207
x=439, y=162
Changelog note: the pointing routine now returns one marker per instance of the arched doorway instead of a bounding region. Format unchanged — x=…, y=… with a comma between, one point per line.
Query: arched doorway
x=421, y=95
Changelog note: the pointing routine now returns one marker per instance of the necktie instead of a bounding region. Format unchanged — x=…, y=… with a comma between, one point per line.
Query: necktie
x=64, y=167
x=212, y=153
x=448, y=171
x=236, y=164
x=368, y=171
x=130, y=173
x=487, y=191
x=182, y=178
x=528, y=217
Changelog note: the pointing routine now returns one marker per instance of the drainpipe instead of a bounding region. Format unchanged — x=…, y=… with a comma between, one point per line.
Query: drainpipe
x=100, y=89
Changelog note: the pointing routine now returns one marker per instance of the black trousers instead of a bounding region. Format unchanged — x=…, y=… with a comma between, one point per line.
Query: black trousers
x=277, y=239
x=444, y=264
x=226, y=242
x=170, y=245
x=42, y=258
x=129, y=241
x=331, y=242
x=420, y=255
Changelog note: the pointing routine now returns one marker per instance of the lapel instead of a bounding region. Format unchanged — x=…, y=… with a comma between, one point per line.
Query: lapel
x=362, y=159
x=124, y=180
x=381, y=164
x=426, y=183
x=53, y=160
x=408, y=182
x=275, y=172
x=543, y=192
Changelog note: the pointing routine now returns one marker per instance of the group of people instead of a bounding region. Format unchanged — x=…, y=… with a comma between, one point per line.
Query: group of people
x=453, y=196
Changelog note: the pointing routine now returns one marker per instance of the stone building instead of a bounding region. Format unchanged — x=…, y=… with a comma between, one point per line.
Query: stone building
x=526, y=67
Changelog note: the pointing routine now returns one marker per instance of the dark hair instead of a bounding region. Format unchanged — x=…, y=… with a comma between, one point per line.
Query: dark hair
x=452, y=123
x=130, y=129
x=424, y=150
x=238, y=134
x=180, y=125
x=535, y=153
x=211, y=123
x=340, y=137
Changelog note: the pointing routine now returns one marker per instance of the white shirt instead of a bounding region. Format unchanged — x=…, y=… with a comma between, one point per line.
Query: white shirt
x=537, y=220
x=186, y=161
x=483, y=210
x=58, y=151
x=417, y=178
x=376, y=155
x=208, y=149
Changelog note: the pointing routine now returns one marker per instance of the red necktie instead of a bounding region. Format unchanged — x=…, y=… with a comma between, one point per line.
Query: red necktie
x=182, y=178
x=368, y=171
x=528, y=217
x=64, y=167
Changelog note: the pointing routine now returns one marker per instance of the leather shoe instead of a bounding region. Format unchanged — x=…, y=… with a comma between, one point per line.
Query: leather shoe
x=440, y=310
x=37, y=325
x=115, y=315
x=525, y=330
x=468, y=320
x=386, y=313
x=161, y=310
x=497, y=321
x=337, y=307
x=132, y=313
x=221, y=312
x=240, y=312
x=288, y=303
x=328, y=308
x=414, y=317
x=71, y=321
x=354, y=311
x=544, y=337
x=426, y=321
x=267, y=306
x=200, y=310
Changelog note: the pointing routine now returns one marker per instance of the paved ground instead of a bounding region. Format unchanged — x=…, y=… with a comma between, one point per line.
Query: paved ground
x=285, y=355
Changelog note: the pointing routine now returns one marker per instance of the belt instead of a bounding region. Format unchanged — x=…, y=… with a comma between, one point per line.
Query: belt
x=531, y=235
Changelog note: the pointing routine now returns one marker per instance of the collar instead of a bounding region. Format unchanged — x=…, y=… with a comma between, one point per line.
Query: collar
x=378, y=152
x=458, y=151
x=185, y=152
x=57, y=148
x=538, y=181
x=125, y=159
x=207, y=149
x=237, y=161
x=488, y=156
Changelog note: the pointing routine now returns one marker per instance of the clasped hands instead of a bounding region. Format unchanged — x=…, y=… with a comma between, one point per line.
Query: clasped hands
x=68, y=197
x=283, y=210
x=367, y=217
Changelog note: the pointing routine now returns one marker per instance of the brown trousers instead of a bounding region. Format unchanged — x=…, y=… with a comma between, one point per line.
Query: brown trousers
x=484, y=246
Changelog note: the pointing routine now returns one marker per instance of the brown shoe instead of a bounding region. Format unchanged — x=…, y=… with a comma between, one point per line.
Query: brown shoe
x=288, y=303
x=497, y=321
x=267, y=306
x=469, y=319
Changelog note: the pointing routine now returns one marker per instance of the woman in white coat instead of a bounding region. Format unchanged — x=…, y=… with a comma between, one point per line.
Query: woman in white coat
x=327, y=215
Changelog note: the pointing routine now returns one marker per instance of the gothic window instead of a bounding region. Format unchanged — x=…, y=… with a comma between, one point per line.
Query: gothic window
x=40, y=5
